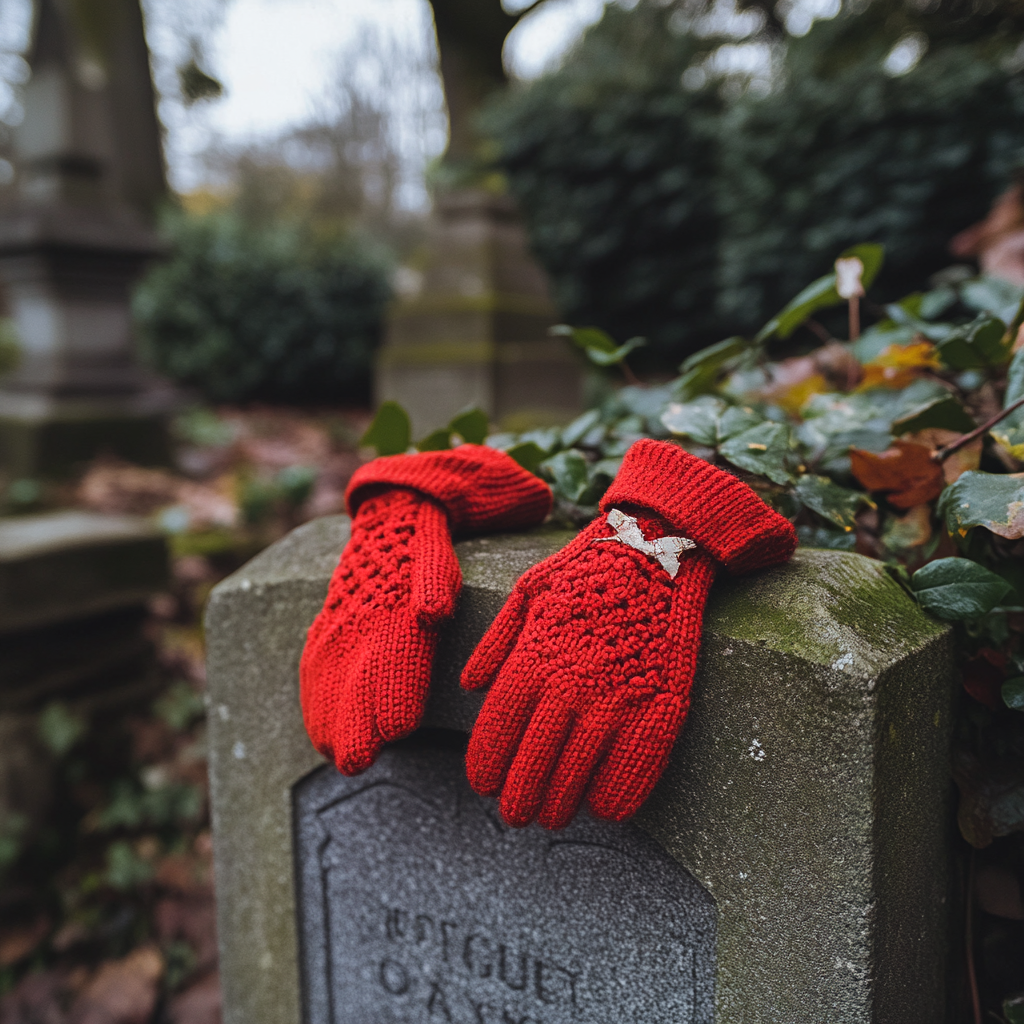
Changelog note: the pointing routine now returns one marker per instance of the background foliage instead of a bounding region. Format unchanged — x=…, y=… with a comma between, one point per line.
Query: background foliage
x=274, y=312
x=670, y=195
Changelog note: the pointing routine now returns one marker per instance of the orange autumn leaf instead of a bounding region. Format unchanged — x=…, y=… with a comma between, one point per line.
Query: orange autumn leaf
x=905, y=473
x=955, y=465
x=898, y=365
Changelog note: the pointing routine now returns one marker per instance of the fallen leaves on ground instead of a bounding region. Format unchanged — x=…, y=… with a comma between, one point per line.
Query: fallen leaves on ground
x=905, y=473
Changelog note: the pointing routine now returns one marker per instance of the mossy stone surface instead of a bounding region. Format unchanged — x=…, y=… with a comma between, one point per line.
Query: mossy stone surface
x=808, y=793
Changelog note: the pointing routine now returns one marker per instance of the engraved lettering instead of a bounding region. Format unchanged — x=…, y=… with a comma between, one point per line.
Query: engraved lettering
x=447, y=928
x=393, y=978
x=507, y=1018
x=437, y=1002
x=477, y=955
x=522, y=975
x=555, y=984
x=424, y=927
x=395, y=923
x=478, y=1009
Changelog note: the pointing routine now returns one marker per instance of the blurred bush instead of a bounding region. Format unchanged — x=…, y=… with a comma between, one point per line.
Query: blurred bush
x=682, y=185
x=272, y=312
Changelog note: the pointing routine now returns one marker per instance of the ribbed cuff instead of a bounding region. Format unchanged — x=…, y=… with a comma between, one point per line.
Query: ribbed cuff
x=711, y=507
x=482, y=489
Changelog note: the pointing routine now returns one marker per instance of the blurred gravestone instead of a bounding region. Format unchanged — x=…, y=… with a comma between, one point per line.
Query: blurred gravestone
x=470, y=326
x=75, y=240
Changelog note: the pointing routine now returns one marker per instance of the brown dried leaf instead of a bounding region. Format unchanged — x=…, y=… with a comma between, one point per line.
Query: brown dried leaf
x=953, y=467
x=905, y=473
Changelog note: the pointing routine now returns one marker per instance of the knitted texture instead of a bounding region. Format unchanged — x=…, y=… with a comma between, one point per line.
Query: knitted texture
x=591, y=660
x=366, y=665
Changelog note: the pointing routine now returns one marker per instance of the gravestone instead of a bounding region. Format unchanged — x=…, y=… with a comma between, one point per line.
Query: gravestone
x=472, y=329
x=73, y=243
x=789, y=867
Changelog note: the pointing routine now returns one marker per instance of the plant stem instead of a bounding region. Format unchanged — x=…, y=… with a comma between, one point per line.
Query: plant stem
x=972, y=976
x=631, y=377
x=954, y=446
x=854, y=317
x=819, y=329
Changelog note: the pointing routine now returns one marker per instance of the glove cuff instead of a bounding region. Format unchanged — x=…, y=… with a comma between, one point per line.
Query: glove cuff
x=481, y=489
x=722, y=514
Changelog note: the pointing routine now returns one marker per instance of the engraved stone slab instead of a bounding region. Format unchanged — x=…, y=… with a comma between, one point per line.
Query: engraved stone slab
x=416, y=903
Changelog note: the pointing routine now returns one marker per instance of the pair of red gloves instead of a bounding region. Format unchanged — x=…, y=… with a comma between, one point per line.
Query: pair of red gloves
x=591, y=660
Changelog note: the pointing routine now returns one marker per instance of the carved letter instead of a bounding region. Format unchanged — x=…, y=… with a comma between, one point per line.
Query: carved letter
x=507, y=1018
x=555, y=984
x=478, y=1009
x=437, y=1002
x=447, y=927
x=477, y=954
x=520, y=983
x=393, y=978
x=395, y=923
x=424, y=927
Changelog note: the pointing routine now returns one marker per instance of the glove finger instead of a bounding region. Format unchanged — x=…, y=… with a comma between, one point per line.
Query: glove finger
x=539, y=750
x=397, y=674
x=589, y=741
x=436, y=575
x=498, y=642
x=355, y=740
x=500, y=726
x=636, y=759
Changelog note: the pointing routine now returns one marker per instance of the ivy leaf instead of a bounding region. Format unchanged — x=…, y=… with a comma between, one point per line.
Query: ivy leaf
x=1013, y=693
x=822, y=293
x=957, y=588
x=528, y=455
x=471, y=425
x=905, y=473
x=942, y=413
x=616, y=356
x=824, y=537
x=977, y=345
x=836, y=504
x=700, y=371
x=697, y=419
x=585, y=337
x=994, y=501
x=390, y=430
x=580, y=427
x=439, y=441
x=568, y=471
x=735, y=420
x=764, y=449
x=991, y=798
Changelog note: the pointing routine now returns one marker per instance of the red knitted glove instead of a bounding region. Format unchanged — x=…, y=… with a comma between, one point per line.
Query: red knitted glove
x=366, y=665
x=593, y=655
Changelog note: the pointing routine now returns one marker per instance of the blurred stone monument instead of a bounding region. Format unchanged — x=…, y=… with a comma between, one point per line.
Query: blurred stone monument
x=471, y=328
x=75, y=240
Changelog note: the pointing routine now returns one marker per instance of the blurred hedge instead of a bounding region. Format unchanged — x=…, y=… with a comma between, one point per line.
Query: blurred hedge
x=687, y=214
x=272, y=313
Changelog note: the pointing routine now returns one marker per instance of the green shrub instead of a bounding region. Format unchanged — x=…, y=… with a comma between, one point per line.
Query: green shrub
x=689, y=213
x=274, y=314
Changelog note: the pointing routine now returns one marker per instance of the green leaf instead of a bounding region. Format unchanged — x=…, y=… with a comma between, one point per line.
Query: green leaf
x=697, y=419
x=957, y=588
x=585, y=337
x=568, y=471
x=580, y=427
x=1013, y=1009
x=528, y=455
x=822, y=293
x=715, y=355
x=60, y=728
x=439, y=441
x=472, y=426
x=944, y=413
x=613, y=358
x=836, y=504
x=823, y=537
x=764, y=449
x=735, y=420
x=994, y=501
x=976, y=346
x=390, y=430
x=1013, y=693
